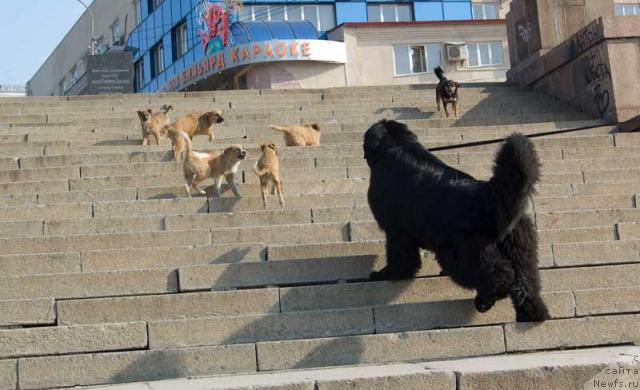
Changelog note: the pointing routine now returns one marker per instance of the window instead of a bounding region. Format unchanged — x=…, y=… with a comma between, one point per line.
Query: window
x=153, y=4
x=157, y=60
x=485, y=11
x=627, y=9
x=179, y=38
x=485, y=54
x=389, y=12
x=138, y=78
x=415, y=59
x=74, y=74
x=116, y=33
x=321, y=16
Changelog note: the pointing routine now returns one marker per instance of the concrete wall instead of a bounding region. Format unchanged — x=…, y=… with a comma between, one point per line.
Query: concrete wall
x=74, y=46
x=597, y=68
x=370, y=57
x=294, y=75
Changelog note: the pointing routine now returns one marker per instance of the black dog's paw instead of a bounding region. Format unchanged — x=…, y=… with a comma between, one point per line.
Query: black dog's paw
x=483, y=305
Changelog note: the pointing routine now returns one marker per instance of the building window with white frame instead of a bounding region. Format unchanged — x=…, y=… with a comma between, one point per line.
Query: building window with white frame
x=485, y=54
x=627, y=9
x=389, y=13
x=322, y=16
x=138, y=78
x=179, y=37
x=157, y=59
x=485, y=10
x=416, y=59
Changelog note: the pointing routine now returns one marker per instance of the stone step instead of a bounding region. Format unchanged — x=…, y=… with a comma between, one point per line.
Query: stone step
x=171, y=257
x=166, y=307
x=27, y=312
x=121, y=367
x=571, y=369
x=337, y=296
x=76, y=243
x=47, y=263
x=424, y=292
x=61, y=340
x=437, y=344
x=83, y=285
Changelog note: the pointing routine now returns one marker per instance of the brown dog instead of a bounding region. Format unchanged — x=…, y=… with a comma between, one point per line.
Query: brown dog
x=154, y=123
x=306, y=135
x=197, y=167
x=268, y=169
x=198, y=123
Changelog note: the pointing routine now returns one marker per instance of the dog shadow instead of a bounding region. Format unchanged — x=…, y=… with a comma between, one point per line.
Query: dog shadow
x=119, y=142
x=404, y=113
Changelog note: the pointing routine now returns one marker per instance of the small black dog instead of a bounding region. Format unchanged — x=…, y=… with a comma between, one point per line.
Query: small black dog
x=447, y=92
x=477, y=229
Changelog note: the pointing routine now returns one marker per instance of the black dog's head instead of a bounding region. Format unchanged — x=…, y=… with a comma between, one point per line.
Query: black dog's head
x=383, y=136
x=450, y=89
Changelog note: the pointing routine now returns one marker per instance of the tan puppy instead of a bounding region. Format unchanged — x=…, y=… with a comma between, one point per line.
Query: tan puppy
x=198, y=167
x=306, y=135
x=197, y=123
x=154, y=123
x=268, y=169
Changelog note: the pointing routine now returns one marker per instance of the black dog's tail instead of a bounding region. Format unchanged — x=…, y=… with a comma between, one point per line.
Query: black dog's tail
x=515, y=172
x=439, y=72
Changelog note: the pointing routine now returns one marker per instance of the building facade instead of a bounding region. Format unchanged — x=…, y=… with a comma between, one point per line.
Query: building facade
x=65, y=70
x=197, y=44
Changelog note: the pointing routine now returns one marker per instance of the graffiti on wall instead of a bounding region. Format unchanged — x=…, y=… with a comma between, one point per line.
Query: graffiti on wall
x=597, y=76
x=524, y=30
x=585, y=38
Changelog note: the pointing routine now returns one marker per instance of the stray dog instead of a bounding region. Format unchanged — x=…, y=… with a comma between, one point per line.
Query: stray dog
x=153, y=124
x=306, y=135
x=197, y=123
x=197, y=167
x=477, y=229
x=267, y=168
x=447, y=91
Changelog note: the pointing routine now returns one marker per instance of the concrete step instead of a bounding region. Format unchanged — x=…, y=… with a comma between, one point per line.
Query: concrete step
x=27, y=312
x=423, y=292
x=571, y=369
x=61, y=340
x=102, y=241
x=312, y=353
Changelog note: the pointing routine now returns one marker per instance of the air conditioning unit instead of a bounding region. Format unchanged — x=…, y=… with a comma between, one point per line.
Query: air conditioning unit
x=457, y=52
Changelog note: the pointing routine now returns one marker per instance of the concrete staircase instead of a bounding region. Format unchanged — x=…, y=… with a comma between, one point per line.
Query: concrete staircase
x=110, y=274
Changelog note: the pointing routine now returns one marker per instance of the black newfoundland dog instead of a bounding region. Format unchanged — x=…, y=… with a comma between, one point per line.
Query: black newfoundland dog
x=477, y=229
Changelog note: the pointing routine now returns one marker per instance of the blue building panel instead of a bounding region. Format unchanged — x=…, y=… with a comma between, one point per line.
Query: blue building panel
x=168, y=49
x=351, y=12
x=428, y=11
x=158, y=26
x=457, y=10
x=176, y=12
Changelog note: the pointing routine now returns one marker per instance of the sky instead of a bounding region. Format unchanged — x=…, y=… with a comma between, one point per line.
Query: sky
x=29, y=31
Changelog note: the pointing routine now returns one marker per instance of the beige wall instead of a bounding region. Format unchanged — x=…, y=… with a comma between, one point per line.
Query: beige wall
x=289, y=75
x=74, y=46
x=370, y=57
